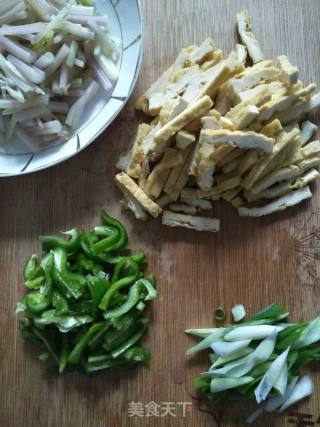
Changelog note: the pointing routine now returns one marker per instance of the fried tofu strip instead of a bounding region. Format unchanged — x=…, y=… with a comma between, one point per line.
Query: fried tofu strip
x=195, y=193
x=247, y=36
x=171, y=109
x=221, y=73
x=183, y=207
x=158, y=177
x=198, y=223
x=272, y=128
x=125, y=182
x=300, y=109
x=205, y=166
x=215, y=57
x=202, y=204
x=281, y=103
x=134, y=206
x=178, y=175
x=308, y=129
x=260, y=92
x=158, y=86
x=281, y=150
x=250, y=78
x=228, y=184
x=247, y=161
x=289, y=73
x=181, y=81
x=204, y=51
x=242, y=117
x=309, y=150
x=248, y=140
x=184, y=139
x=234, y=154
x=134, y=165
x=285, y=173
x=161, y=85
x=285, y=187
x=231, y=194
x=277, y=205
x=196, y=109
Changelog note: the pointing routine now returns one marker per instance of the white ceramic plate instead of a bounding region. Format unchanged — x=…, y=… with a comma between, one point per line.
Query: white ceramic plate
x=125, y=23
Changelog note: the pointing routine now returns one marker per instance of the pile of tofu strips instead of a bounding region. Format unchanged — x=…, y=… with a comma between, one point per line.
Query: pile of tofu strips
x=222, y=130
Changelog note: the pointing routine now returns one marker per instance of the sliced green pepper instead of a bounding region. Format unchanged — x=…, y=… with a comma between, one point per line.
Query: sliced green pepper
x=137, y=354
x=36, y=302
x=69, y=284
x=122, y=242
x=64, y=353
x=139, y=258
x=134, y=296
x=108, y=243
x=98, y=287
x=81, y=307
x=98, y=338
x=59, y=303
x=36, y=283
x=51, y=242
x=131, y=341
x=103, y=364
x=121, y=283
x=76, y=353
x=30, y=267
x=114, y=338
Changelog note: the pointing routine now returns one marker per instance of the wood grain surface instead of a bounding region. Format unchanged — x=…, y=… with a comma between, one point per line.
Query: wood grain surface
x=254, y=262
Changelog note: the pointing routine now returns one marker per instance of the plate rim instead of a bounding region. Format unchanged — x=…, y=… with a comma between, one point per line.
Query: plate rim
x=25, y=170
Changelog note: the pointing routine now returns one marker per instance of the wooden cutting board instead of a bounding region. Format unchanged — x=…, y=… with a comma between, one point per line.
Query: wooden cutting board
x=254, y=262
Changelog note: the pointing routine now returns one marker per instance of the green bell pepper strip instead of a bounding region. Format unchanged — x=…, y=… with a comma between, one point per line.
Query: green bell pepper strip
x=32, y=273
x=87, y=244
x=35, y=283
x=134, y=296
x=103, y=364
x=81, y=307
x=115, y=338
x=71, y=245
x=107, y=244
x=47, y=264
x=76, y=353
x=60, y=258
x=98, y=287
x=108, y=259
x=30, y=267
x=130, y=342
x=125, y=267
x=47, y=343
x=63, y=359
x=122, y=242
x=100, y=358
x=36, y=302
x=69, y=286
x=98, y=338
x=103, y=231
x=59, y=303
x=139, y=258
x=118, y=299
x=121, y=283
x=123, y=322
x=137, y=354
